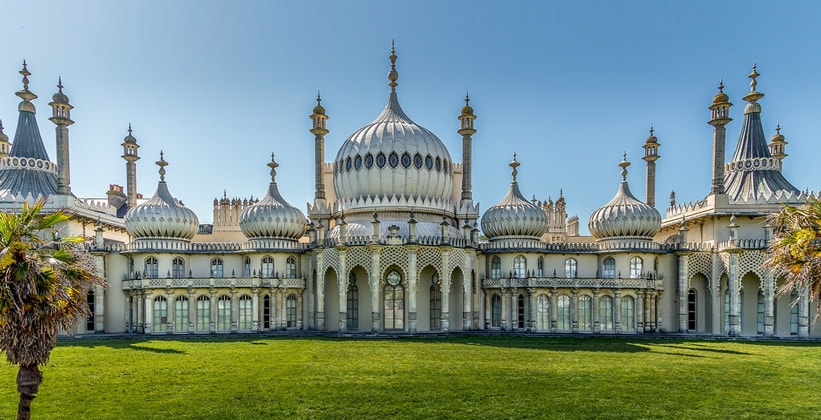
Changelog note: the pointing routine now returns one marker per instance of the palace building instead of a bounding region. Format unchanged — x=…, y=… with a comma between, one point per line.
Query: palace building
x=394, y=243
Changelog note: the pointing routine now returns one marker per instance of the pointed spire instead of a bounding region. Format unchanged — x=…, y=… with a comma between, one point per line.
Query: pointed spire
x=273, y=165
x=624, y=164
x=393, y=75
x=162, y=164
x=514, y=164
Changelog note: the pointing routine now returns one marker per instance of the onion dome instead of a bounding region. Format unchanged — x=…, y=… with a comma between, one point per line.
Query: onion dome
x=163, y=216
x=624, y=217
x=514, y=217
x=272, y=217
x=393, y=156
x=60, y=97
x=130, y=139
x=721, y=98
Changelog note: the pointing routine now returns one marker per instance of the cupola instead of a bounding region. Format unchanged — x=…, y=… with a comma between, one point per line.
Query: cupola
x=272, y=217
x=514, y=217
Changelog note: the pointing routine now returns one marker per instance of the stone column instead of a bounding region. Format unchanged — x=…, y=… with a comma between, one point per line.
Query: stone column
x=657, y=310
x=149, y=317
x=320, y=295
x=803, y=312
x=213, y=304
x=129, y=322
x=373, y=281
x=574, y=311
x=716, y=321
x=617, y=311
x=139, y=303
x=554, y=310
x=445, y=300
x=639, y=311
x=735, y=288
x=342, y=287
x=299, y=309
x=412, y=288
x=514, y=308
x=171, y=318
x=505, y=311
x=487, y=312
x=769, y=306
x=596, y=315
x=467, y=313
x=283, y=309
x=255, y=326
x=234, y=310
x=531, y=303
x=649, y=324
x=192, y=311
x=99, y=309
x=683, y=286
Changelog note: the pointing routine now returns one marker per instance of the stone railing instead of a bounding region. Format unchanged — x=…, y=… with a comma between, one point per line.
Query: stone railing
x=742, y=243
x=573, y=283
x=202, y=282
x=28, y=163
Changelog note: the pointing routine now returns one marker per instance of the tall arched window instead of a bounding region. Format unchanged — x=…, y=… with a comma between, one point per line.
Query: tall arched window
x=519, y=267
x=760, y=314
x=151, y=268
x=178, y=268
x=394, y=302
x=245, y=312
x=90, y=302
x=267, y=269
x=563, y=313
x=585, y=313
x=691, y=310
x=540, y=267
x=636, y=267
x=542, y=313
x=290, y=311
x=353, y=303
x=726, y=311
x=266, y=312
x=247, y=267
x=495, y=268
x=224, y=313
x=181, y=314
x=606, y=314
x=290, y=268
x=520, y=312
x=435, y=304
x=609, y=271
x=628, y=313
x=216, y=268
x=160, y=314
x=794, y=313
x=570, y=268
x=496, y=311
x=203, y=314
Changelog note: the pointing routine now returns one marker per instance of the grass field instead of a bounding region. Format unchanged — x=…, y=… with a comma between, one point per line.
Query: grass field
x=454, y=377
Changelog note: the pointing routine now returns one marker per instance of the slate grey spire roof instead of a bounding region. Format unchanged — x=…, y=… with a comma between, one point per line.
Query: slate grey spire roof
x=753, y=173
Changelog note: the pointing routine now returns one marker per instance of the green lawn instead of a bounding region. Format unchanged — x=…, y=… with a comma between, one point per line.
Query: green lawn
x=454, y=377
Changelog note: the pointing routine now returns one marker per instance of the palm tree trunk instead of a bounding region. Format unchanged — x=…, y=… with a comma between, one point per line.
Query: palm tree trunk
x=29, y=378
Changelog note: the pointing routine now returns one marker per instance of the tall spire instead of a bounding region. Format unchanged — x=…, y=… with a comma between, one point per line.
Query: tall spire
x=651, y=155
x=61, y=117
x=467, y=131
x=319, y=130
x=131, y=156
x=393, y=75
x=720, y=117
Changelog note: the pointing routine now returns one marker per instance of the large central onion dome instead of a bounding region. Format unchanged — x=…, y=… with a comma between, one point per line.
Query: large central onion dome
x=272, y=217
x=624, y=217
x=163, y=216
x=393, y=156
x=514, y=217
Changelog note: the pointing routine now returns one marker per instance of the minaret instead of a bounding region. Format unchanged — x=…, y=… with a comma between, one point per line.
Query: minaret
x=61, y=117
x=651, y=154
x=130, y=147
x=466, y=130
x=720, y=113
x=777, y=145
x=319, y=131
x=4, y=142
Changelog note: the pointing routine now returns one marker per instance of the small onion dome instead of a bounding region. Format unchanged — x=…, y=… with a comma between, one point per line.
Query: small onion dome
x=721, y=97
x=319, y=109
x=272, y=217
x=60, y=97
x=130, y=139
x=163, y=216
x=624, y=216
x=514, y=216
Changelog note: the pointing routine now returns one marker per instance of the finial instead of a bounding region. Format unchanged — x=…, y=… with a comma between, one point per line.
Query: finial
x=533, y=200
x=129, y=129
x=162, y=164
x=318, y=98
x=651, y=130
x=561, y=193
x=777, y=127
x=26, y=73
x=721, y=85
x=753, y=76
x=467, y=98
x=624, y=164
x=60, y=84
x=273, y=165
x=393, y=75
x=514, y=164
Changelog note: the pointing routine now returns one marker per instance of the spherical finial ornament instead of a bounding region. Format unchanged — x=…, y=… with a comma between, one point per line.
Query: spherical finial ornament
x=624, y=164
x=273, y=165
x=162, y=164
x=393, y=75
x=753, y=75
x=514, y=164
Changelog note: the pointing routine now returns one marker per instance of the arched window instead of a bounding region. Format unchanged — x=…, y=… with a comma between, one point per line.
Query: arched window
x=266, y=312
x=606, y=314
x=585, y=313
x=636, y=267
x=520, y=267
x=203, y=314
x=247, y=267
x=520, y=312
x=90, y=302
x=496, y=311
x=216, y=268
x=353, y=303
x=394, y=302
x=151, y=268
x=181, y=314
x=540, y=267
x=794, y=313
x=290, y=311
x=290, y=268
x=435, y=304
x=178, y=268
x=160, y=314
x=726, y=311
x=224, y=313
x=495, y=268
x=570, y=268
x=691, y=310
x=267, y=269
x=628, y=313
x=609, y=268
x=542, y=313
x=563, y=313
x=245, y=312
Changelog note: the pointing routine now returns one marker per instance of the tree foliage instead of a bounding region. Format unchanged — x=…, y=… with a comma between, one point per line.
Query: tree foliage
x=794, y=254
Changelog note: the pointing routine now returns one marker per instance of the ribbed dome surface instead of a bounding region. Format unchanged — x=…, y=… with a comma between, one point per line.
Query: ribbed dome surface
x=624, y=216
x=272, y=218
x=163, y=216
x=514, y=217
x=393, y=156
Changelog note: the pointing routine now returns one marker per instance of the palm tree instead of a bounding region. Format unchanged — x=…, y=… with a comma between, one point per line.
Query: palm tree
x=794, y=255
x=44, y=280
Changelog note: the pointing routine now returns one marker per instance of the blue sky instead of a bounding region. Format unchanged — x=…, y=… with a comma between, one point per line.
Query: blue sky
x=568, y=85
